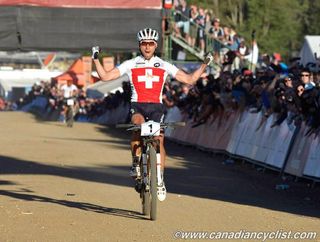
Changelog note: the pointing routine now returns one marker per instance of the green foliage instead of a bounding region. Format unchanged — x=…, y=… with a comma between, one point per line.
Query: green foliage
x=280, y=24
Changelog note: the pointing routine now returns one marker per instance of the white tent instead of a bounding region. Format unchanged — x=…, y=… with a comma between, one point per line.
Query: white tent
x=14, y=80
x=310, y=50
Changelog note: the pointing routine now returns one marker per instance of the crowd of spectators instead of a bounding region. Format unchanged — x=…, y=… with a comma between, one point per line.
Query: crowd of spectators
x=292, y=93
x=201, y=30
x=86, y=108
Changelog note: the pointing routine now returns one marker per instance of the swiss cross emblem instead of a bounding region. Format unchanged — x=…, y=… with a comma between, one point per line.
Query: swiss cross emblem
x=148, y=78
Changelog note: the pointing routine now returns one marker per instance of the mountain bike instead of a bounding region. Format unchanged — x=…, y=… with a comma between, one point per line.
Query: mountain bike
x=150, y=176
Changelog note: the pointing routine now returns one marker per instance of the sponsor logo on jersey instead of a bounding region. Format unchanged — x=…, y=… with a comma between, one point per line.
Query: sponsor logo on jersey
x=139, y=64
x=157, y=64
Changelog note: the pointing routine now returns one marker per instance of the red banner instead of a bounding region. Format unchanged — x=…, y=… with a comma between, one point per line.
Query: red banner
x=125, y=4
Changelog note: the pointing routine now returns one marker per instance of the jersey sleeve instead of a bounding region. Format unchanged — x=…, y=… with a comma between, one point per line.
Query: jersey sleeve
x=125, y=67
x=171, y=69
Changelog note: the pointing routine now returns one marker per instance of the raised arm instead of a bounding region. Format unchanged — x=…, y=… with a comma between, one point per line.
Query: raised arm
x=193, y=77
x=103, y=74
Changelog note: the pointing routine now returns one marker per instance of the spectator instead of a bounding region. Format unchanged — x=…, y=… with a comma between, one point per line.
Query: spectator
x=217, y=34
x=193, y=26
x=252, y=57
x=239, y=61
x=2, y=104
x=184, y=22
x=201, y=35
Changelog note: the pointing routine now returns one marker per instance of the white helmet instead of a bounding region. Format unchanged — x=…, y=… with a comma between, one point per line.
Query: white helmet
x=148, y=34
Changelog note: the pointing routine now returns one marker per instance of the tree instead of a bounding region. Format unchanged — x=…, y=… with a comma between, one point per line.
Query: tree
x=279, y=24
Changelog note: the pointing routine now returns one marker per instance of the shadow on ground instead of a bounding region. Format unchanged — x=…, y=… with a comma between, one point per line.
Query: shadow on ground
x=71, y=204
x=199, y=174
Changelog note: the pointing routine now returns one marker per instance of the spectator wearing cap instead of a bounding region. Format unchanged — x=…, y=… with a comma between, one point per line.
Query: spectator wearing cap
x=217, y=34
x=275, y=63
x=216, y=31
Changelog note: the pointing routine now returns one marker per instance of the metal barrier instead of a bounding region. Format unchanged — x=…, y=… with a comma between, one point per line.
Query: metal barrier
x=277, y=148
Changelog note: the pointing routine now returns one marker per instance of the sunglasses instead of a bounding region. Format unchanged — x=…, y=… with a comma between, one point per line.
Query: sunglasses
x=151, y=44
x=304, y=75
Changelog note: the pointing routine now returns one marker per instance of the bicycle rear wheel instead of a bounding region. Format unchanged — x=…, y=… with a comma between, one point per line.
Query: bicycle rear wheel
x=145, y=196
x=153, y=182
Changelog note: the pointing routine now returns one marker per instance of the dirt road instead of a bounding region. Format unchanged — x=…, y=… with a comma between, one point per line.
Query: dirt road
x=62, y=184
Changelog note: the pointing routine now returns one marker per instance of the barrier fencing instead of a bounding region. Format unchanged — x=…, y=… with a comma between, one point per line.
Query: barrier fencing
x=240, y=135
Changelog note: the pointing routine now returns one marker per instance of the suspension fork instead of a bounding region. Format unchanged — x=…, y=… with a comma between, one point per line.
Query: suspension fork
x=159, y=175
x=156, y=145
x=144, y=159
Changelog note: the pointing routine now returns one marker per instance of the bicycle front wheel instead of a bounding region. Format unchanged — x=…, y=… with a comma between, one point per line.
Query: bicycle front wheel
x=153, y=182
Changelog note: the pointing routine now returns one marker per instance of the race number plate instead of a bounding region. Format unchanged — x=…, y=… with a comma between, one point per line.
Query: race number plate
x=150, y=128
x=70, y=102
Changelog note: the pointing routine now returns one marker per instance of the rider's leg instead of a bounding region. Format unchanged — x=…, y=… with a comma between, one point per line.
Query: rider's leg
x=137, y=118
x=135, y=139
x=161, y=189
x=162, y=150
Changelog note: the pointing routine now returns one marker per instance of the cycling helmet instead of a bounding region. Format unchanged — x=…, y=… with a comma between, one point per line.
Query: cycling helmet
x=148, y=34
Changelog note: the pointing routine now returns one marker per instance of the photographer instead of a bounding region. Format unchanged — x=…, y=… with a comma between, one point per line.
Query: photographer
x=310, y=102
x=289, y=105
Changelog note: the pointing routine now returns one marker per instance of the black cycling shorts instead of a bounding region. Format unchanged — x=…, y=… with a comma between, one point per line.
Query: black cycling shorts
x=150, y=111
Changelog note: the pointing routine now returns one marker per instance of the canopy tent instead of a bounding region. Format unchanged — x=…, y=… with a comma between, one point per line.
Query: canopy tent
x=75, y=25
x=76, y=73
x=310, y=50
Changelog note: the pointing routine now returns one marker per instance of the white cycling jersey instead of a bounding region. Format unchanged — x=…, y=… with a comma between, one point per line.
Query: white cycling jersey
x=68, y=90
x=147, y=77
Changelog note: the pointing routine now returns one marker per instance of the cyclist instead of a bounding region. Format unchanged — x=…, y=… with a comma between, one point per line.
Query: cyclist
x=147, y=74
x=68, y=90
